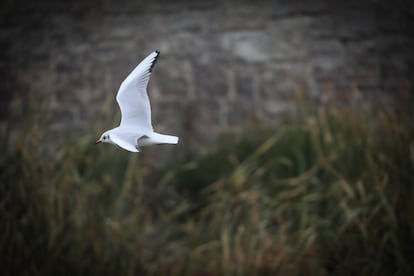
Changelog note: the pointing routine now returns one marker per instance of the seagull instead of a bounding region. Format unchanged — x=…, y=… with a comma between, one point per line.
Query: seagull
x=135, y=130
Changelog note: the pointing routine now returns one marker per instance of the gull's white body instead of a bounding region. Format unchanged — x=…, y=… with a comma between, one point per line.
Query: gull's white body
x=135, y=129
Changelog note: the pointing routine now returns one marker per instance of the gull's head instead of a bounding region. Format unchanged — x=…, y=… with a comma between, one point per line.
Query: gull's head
x=105, y=137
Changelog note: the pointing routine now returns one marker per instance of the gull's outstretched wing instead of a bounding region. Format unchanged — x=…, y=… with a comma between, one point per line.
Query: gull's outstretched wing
x=132, y=96
x=126, y=142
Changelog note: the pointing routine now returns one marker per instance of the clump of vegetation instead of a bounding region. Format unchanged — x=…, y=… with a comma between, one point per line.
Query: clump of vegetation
x=329, y=192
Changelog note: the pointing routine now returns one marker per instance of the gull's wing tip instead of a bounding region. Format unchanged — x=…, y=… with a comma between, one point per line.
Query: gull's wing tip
x=155, y=60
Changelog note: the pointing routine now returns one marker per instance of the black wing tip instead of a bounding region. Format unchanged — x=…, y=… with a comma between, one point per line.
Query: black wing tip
x=155, y=60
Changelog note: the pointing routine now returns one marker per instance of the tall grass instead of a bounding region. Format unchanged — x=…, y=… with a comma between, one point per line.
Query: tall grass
x=329, y=192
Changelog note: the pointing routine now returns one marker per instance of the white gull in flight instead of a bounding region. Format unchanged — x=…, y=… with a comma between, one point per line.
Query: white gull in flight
x=135, y=130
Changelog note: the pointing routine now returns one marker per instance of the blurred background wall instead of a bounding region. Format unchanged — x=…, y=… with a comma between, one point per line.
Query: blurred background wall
x=223, y=63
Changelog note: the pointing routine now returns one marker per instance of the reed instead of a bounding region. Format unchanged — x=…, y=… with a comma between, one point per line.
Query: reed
x=329, y=192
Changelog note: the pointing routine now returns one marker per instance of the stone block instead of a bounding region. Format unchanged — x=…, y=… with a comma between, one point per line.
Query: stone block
x=210, y=81
x=289, y=8
x=290, y=38
x=248, y=46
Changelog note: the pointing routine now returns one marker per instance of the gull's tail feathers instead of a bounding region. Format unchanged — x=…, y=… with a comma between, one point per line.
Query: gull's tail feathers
x=165, y=139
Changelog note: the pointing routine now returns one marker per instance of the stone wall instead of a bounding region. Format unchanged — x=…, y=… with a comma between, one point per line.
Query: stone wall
x=222, y=64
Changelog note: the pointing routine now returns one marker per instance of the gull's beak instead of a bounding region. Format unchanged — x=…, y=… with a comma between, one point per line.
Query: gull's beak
x=98, y=141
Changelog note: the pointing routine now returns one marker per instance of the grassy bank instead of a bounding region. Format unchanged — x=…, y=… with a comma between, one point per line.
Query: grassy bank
x=330, y=192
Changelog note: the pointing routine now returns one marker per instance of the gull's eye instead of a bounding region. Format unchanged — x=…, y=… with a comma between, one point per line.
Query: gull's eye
x=104, y=137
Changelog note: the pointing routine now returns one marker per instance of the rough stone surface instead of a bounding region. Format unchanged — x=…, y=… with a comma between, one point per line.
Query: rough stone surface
x=223, y=63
